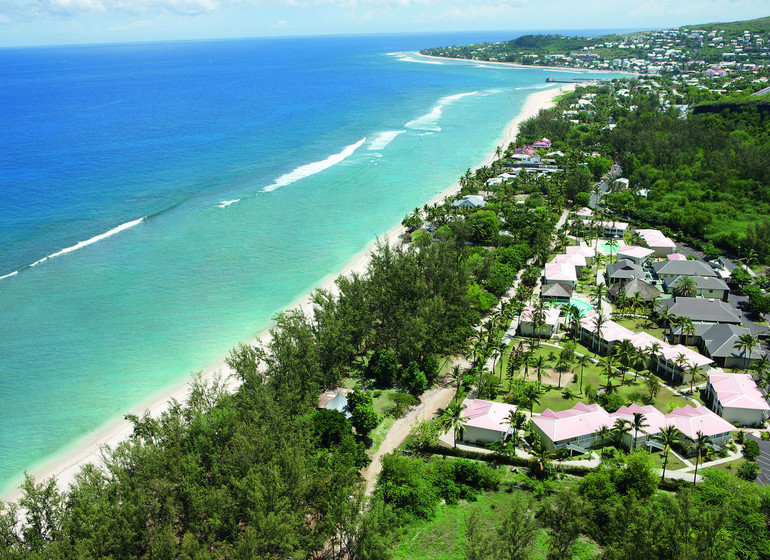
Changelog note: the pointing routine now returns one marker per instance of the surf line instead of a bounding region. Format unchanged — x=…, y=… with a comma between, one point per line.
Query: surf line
x=79, y=245
x=312, y=168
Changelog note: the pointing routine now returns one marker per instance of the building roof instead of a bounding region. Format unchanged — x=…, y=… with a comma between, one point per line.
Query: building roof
x=701, y=309
x=655, y=238
x=580, y=420
x=574, y=258
x=691, y=420
x=720, y=339
x=633, y=251
x=587, y=252
x=556, y=272
x=737, y=390
x=635, y=286
x=672, y=351
x=624, y=269
x=488, y=415
x=472, y=200
x=551, y=316
x=335, y=399
x=584, y=212
x=556, y=291
x=676, y=257
x=683, y=268
x=655, y=419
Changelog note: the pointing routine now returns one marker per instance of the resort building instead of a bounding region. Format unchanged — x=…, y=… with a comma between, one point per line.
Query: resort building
x=670, y=271
x=579, y=261
x=546, y=329
x=656, y=241
x=556, y=293
x=719, y=342
x=574, y=427
x=487, y=421
x=691, y=420
x=584, y=214
x=707, y=287
x=470, y=201
x=654, y=419
x=635, y=254
x=588, y=253
x=646, y=291
x=335, y=399
x=736, y=398
x=624, y=270
x=701, y=310
x=560, y=273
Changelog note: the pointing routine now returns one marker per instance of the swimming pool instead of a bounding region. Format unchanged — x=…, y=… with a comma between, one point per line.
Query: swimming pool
x=582, y=306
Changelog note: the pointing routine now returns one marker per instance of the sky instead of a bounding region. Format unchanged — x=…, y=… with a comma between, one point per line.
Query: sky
x=53, y=22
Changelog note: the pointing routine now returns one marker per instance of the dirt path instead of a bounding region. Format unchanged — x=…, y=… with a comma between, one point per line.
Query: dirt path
x=432, y=401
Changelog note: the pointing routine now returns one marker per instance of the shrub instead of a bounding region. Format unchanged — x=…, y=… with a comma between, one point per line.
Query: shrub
x=765, y=436
x=750, y=450
x=748, y=471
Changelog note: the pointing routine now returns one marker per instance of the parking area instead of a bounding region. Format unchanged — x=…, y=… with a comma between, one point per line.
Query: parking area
x=763, y=461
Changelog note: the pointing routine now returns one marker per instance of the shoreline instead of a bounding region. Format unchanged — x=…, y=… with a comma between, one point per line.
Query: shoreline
x=66, y=463
x=533, y=66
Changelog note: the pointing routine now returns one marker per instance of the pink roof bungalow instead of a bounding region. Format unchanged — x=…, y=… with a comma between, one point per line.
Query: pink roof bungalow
x=560, y=273
x=653, y=417
x=691, y=420
x=610, y=333
x=528, y=150
x=543, y=143
x=576, y=426
x=676, y=257
x=669, y=366
x=736, y=398
x=588, y=253
x=635, y=254
x=546, y=330
x=486, y=421
x=576, y=259
x=656, y=241
x=584, y=213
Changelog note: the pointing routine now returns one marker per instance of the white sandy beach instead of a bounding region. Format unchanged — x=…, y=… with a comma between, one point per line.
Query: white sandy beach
x=66, y=464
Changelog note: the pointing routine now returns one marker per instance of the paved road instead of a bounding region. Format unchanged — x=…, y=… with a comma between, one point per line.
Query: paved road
x=763, y=461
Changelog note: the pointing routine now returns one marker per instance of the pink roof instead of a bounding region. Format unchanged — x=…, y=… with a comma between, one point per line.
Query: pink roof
x=575, y=258
x=551, y=315
x=654, y=418
x=587, y=252
x=615, y=225
x=655, y=238
x=488, y=415
x=580, y=420
x=676, y=257
x=737, y=390
x=557, y=272
x=584, y=212
x=670, y=352
x=634, y=251
x=690, y=420
x=610, y=331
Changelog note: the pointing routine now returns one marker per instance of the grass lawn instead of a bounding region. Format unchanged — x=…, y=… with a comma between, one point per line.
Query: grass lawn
x=731, y=467
x=443, y=537
x=673, y=464
x=378, y=434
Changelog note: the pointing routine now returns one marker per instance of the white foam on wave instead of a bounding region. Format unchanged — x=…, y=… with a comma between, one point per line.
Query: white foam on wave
x=80, y=245
x=430, y=121
x=226, y=203
x=384, y=138
x=313, y=168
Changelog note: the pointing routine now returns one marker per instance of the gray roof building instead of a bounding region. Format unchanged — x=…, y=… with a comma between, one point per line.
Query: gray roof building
x=682, y=268
x=633, y=287
x=702, y=309
x=624, y=270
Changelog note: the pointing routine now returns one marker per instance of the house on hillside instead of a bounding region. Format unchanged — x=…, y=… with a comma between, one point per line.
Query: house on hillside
x=487, y=421
x=736, y=398
x=544, y=143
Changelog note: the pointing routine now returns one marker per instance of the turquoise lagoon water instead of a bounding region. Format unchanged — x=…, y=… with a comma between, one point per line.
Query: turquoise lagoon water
x=161, y=202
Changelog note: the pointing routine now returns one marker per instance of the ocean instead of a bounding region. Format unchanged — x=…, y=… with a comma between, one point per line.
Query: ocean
x=160, y=202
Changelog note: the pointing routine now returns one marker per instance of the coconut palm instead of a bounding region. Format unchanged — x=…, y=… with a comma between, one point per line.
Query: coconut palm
x=686, y=287
x=666, y=319
x=599, y=321
x=639, y=423
x=581, y=362
x=608, y=368
x=636, y=302
x=695, y=374
x=531, y=396
x=538, y=362
x=655, y=349
x=746, y=344
x=620, y=428
x=599, y=293
x=624, y=352
x=604, y=433
x=516, y=420
x=453, y=419
x=699, y=445
x=456, y=375
x=668, y=436
x=685, y=326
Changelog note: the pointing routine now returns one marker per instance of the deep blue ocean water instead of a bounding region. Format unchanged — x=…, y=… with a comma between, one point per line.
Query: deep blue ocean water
x=185, y=192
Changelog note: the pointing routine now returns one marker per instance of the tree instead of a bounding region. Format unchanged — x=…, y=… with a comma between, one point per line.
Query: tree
x=655, y=349
x=699, y=445
x=695, y=374
x=624, y=351
x=745, y=344
x=750, y=450
x=414, y=379
x=565, y=517
x=599, y=321
x=608, y=369
x=516, y=421
x=653, y=387
x=581, y=362
x=604, y=433
x=639, y=423
x=599, y=293
x=538, y=362
x=686, y=287
x=517, y=533
x=620, y=428
x=453, y=419
x=363, y=415
x=668, y=436
x=531, y=396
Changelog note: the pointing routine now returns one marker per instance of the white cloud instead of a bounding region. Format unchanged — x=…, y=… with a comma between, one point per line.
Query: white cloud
x=131, y=26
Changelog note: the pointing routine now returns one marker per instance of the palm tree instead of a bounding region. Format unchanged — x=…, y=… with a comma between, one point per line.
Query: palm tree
x=539, y=364
x=610, y=244
x=599, y=321
x=684, y=324
x=454, y=419
x=639, y=423
x=655, y=349
x=608, y=369
x=599, y=293
x=456, y=375
x=666, y=320
x=624, y=351
x=695, y=374
x=516, y=421
x=531, y=396
x=746, y=344
x=620, y=428
x=541, y=458
x=686, y=287
x=668, y=436
x=701, y=442
x=581, y=362
x=681, y=361
x=604, y=433
x=636, y=302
